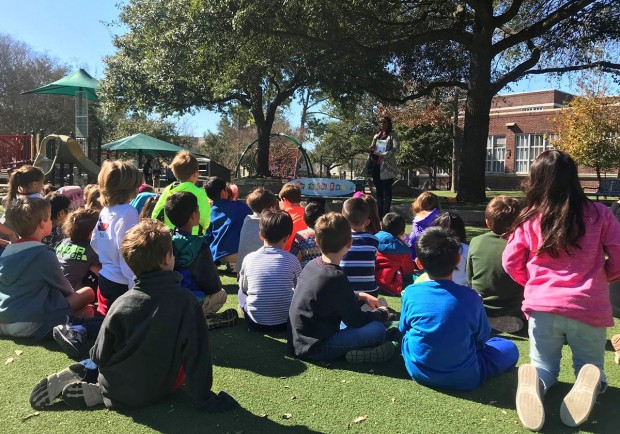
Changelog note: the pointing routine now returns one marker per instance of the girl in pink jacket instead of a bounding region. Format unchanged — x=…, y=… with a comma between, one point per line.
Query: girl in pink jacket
x=564, y=249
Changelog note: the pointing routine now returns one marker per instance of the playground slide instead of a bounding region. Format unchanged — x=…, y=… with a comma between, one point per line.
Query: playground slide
x=67, y=151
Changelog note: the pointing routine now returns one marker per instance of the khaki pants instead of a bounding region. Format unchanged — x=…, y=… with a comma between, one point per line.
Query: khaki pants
x=214, y=302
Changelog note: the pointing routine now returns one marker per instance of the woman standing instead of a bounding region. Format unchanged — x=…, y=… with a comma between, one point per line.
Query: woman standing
x=383, y=151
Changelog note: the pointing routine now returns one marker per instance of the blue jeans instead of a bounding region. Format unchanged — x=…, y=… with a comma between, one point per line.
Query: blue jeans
x=549, y=332
x=351, y=338
x=497, y=355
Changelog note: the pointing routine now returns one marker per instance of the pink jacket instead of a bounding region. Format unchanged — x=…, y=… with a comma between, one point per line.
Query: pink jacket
x=575, y=285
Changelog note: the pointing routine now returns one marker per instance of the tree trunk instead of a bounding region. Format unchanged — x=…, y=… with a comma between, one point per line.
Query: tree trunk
x=456, y=145
x=263, y=127
x=471, y=182
x=598, y=175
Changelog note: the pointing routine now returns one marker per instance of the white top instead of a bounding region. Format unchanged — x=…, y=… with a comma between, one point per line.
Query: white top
x=459, y=275
x=113, y=224
x=268, y=276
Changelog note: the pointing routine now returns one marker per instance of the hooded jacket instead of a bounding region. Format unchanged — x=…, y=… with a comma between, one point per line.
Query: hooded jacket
x=392, y=263
x=33, y=286
x=194, y=261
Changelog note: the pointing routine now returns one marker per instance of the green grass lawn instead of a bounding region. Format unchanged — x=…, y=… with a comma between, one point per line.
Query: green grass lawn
x=280, y=394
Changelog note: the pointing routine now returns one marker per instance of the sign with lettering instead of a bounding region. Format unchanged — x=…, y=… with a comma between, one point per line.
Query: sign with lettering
x=324, y=187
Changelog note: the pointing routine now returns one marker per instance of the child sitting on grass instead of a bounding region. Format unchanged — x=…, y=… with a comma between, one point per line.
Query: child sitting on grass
x=61, y=206
x=455, y=223
x=185, y=169
x=425, y=210
x=77, y=258
x=304, y=242
x=119, y=182
x=269, y=275
x=324, y=298
x=227, y=218
x=249, y=238
x=35, y=296
x=153, y=339
x=393, y=267
x=290, y=198
x=502, y=296
x=193, y=260
x=446, y=332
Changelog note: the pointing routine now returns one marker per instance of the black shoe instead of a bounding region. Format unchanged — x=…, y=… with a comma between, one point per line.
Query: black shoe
x=70, y=338
x=220, y=320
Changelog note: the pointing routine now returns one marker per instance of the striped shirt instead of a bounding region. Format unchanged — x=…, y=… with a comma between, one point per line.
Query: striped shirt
x=268, y=276
x=359, y=262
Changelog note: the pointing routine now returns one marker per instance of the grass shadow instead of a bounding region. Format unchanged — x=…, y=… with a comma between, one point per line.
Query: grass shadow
x=265, y=354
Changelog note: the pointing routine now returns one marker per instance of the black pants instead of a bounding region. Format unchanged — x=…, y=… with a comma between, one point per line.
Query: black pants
x=384, y=191
x=261, y=327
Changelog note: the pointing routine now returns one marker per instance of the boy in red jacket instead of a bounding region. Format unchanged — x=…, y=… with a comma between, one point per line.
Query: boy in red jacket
x=393, y=267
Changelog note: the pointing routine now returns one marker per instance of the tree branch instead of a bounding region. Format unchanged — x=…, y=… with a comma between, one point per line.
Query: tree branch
x=517, y=71
x=425, y=91
x=509, y=14
x=540, y=27
x=604, y=65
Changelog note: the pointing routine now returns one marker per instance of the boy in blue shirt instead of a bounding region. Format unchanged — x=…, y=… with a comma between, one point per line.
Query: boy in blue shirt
x=446, y=332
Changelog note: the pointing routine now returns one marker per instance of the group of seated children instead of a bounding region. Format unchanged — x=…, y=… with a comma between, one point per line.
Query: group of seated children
x=317, y=276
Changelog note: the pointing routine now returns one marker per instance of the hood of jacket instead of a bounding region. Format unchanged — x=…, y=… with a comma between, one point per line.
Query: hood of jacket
x=13, y=265
x=388, y=243
x=186, y=248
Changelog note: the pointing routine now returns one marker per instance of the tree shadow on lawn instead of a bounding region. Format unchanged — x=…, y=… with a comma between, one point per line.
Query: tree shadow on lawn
x=265, y=354
x=177, y=414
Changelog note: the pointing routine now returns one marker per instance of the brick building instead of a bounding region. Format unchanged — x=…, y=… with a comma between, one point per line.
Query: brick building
x=520, y=128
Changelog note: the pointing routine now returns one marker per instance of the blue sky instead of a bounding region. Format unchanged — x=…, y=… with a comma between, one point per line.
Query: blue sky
x=75, y=32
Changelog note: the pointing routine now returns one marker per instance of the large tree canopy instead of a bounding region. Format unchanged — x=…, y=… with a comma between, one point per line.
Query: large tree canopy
x=476, y=45
x=180, y=55
x=21, y=69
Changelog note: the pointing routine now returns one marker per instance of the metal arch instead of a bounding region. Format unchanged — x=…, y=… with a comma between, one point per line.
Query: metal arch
x=286, y=136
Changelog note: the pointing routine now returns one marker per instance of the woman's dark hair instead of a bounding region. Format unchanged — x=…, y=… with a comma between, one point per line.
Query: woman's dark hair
x=388, y=127
x=454, y=222
x=553, y=191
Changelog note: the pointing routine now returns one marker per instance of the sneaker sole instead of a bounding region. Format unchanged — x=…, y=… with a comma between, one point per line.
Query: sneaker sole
x=578, y=403
x=50, y=388
x=228, y=318
x=381, y=353
x=65, y=344
x=529, y=403
x=506, y=324
x=82, y=395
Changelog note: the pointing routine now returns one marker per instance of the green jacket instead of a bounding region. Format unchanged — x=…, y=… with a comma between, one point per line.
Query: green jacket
x=203, y=204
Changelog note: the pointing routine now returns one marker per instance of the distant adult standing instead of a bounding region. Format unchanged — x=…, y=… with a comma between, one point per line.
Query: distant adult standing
x=383, y=151
x=147, y=170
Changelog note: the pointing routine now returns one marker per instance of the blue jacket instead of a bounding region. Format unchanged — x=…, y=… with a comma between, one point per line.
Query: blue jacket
x=225, y=229
x=390, y=244
x=443, y=326
x=33, y=286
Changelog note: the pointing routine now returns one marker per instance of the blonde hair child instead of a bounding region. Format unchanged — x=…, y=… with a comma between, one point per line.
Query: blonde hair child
x=118, y=183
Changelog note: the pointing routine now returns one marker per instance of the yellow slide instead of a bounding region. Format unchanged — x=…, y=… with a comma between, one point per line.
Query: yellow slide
x=60, y=149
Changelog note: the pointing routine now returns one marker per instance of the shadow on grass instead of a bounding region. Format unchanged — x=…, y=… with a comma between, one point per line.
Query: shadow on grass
x=265, y=354
x=178, y=415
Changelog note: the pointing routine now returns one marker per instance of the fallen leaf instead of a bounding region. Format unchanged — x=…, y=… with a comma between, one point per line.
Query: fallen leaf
x=9, y=360
x=264, y=415
x=293, y=397
x=371, y=371
x=287, y=416
x=393, y=400
x=282, y=378
x=18, y=352
x=504, y=412
x=360, y=419
x=492, y=402
x=31, y=415
x=343, y=381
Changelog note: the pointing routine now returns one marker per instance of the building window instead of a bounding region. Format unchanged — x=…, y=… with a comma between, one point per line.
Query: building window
x=528, y=147
x=532, y=109
x=496, y=154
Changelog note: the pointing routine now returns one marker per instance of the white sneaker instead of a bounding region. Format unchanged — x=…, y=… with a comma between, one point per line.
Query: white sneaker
x=530, y=407
x=578, y=403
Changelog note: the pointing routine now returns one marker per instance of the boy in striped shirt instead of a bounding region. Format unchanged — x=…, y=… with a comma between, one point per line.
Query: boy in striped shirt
x=359, y=262
x=268, y=276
